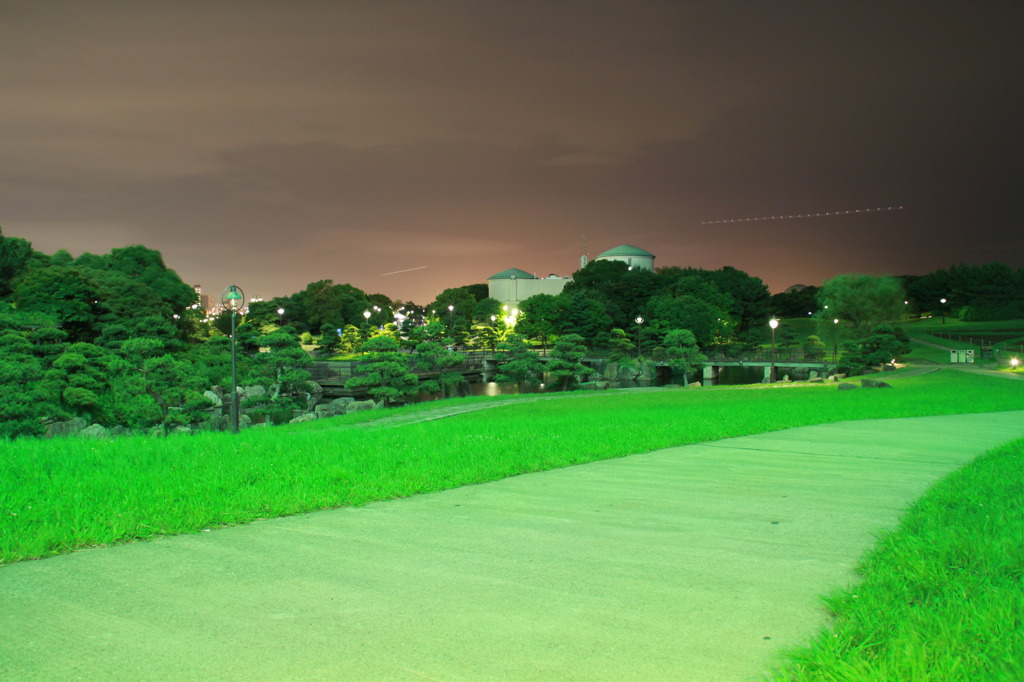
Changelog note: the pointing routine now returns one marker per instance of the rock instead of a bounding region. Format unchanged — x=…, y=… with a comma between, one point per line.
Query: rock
x=65, y=429
x=94, y=431
x=844, y=386
x=360, y=405
x=181, y=430
x=307, y=417
x=213, y=398
x=812, y=375
x=815, y=380
x=874, y=383
x=343, y=402
x=252, y=391
x=695, y=384
x=325, y=411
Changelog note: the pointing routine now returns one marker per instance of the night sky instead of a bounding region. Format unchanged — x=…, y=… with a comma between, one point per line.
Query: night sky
x=270, y=144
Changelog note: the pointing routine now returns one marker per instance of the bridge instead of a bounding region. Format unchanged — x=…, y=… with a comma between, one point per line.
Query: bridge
x=783, y=359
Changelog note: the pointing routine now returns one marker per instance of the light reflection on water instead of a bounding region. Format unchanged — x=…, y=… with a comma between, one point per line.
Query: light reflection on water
x=728, y=376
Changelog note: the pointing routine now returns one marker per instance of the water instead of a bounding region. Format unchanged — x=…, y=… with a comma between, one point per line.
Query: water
x=728, y=376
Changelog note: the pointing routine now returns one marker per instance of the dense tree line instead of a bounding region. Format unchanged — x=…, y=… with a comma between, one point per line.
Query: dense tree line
x=118, y=339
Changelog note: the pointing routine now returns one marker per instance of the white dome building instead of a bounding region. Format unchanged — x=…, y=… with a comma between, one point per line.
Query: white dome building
x=632, y=256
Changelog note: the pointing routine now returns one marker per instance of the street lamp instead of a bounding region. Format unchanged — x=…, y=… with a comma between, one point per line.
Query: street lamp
x=943, y=302
x=773, y=323
x=451, y=319
x=280, y=316
x=366, y=316
x=234, y=300
x=835, y=339
x=639, y=321
x=1014, y=362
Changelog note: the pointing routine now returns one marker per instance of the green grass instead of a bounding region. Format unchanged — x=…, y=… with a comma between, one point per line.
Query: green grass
x=942, y=596
x=57, y=496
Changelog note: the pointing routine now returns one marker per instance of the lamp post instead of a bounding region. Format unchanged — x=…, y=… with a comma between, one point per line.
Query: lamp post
x=280, y=317
x=639, y=321
x=451, y=319
x=835, y=339
x=773, y=323
x=366, y=316
x=943, y=302
x=234, y=300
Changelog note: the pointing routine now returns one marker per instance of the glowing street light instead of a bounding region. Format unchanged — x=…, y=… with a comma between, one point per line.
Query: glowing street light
x=280, y=316
x=773, y=323
x=234, y=300
x=943, y=302
x=1014, y=362
x=639, y=321
x=835, y=339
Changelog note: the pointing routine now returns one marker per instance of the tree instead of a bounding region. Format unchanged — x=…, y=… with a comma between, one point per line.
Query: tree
x=437, y=361
x=387, y=376
x=517, y=363
x=687, y=311
x=564, y=363
x=884, y=345
x=814, y=347
x=681, y=353
x=172, y=383
x=621, y=346
x=539, y=317
x=866, y=301
x=485, y=309
x=26, y=402
x=15, y=255
x=329, y=340
x=280, y=370
x=581, y=315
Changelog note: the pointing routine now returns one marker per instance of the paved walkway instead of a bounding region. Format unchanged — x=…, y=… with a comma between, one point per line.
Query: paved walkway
x=691, y=563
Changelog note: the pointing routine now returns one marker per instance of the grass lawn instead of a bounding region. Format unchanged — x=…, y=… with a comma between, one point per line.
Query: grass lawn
x=942, y=593
x=60, y=495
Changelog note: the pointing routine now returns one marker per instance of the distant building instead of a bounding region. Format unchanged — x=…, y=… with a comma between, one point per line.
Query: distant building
x=632, y=256
x=513, y=286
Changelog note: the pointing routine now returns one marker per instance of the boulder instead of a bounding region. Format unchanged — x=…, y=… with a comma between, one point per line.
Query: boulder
x=874, y=383
x=844, y=386
x=695, y=384
x=213, y=398
x=252, y=391
x=307, y=417
x=328, y=410
x=815, y=380
x=343, y=402
x=181, y=430
x=360, y=405
x=65, y=429
x=94, y=431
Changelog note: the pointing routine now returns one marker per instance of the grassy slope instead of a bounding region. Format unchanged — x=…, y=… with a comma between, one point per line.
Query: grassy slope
x=56, y=496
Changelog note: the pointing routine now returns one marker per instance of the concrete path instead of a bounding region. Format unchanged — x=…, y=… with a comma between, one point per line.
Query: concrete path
x=692, y=563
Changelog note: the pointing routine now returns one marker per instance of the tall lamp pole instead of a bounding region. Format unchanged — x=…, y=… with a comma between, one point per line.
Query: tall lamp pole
x=835, y=339
x=773, y=323
x=943, y=302
x=639, y=321
x=234, y=300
